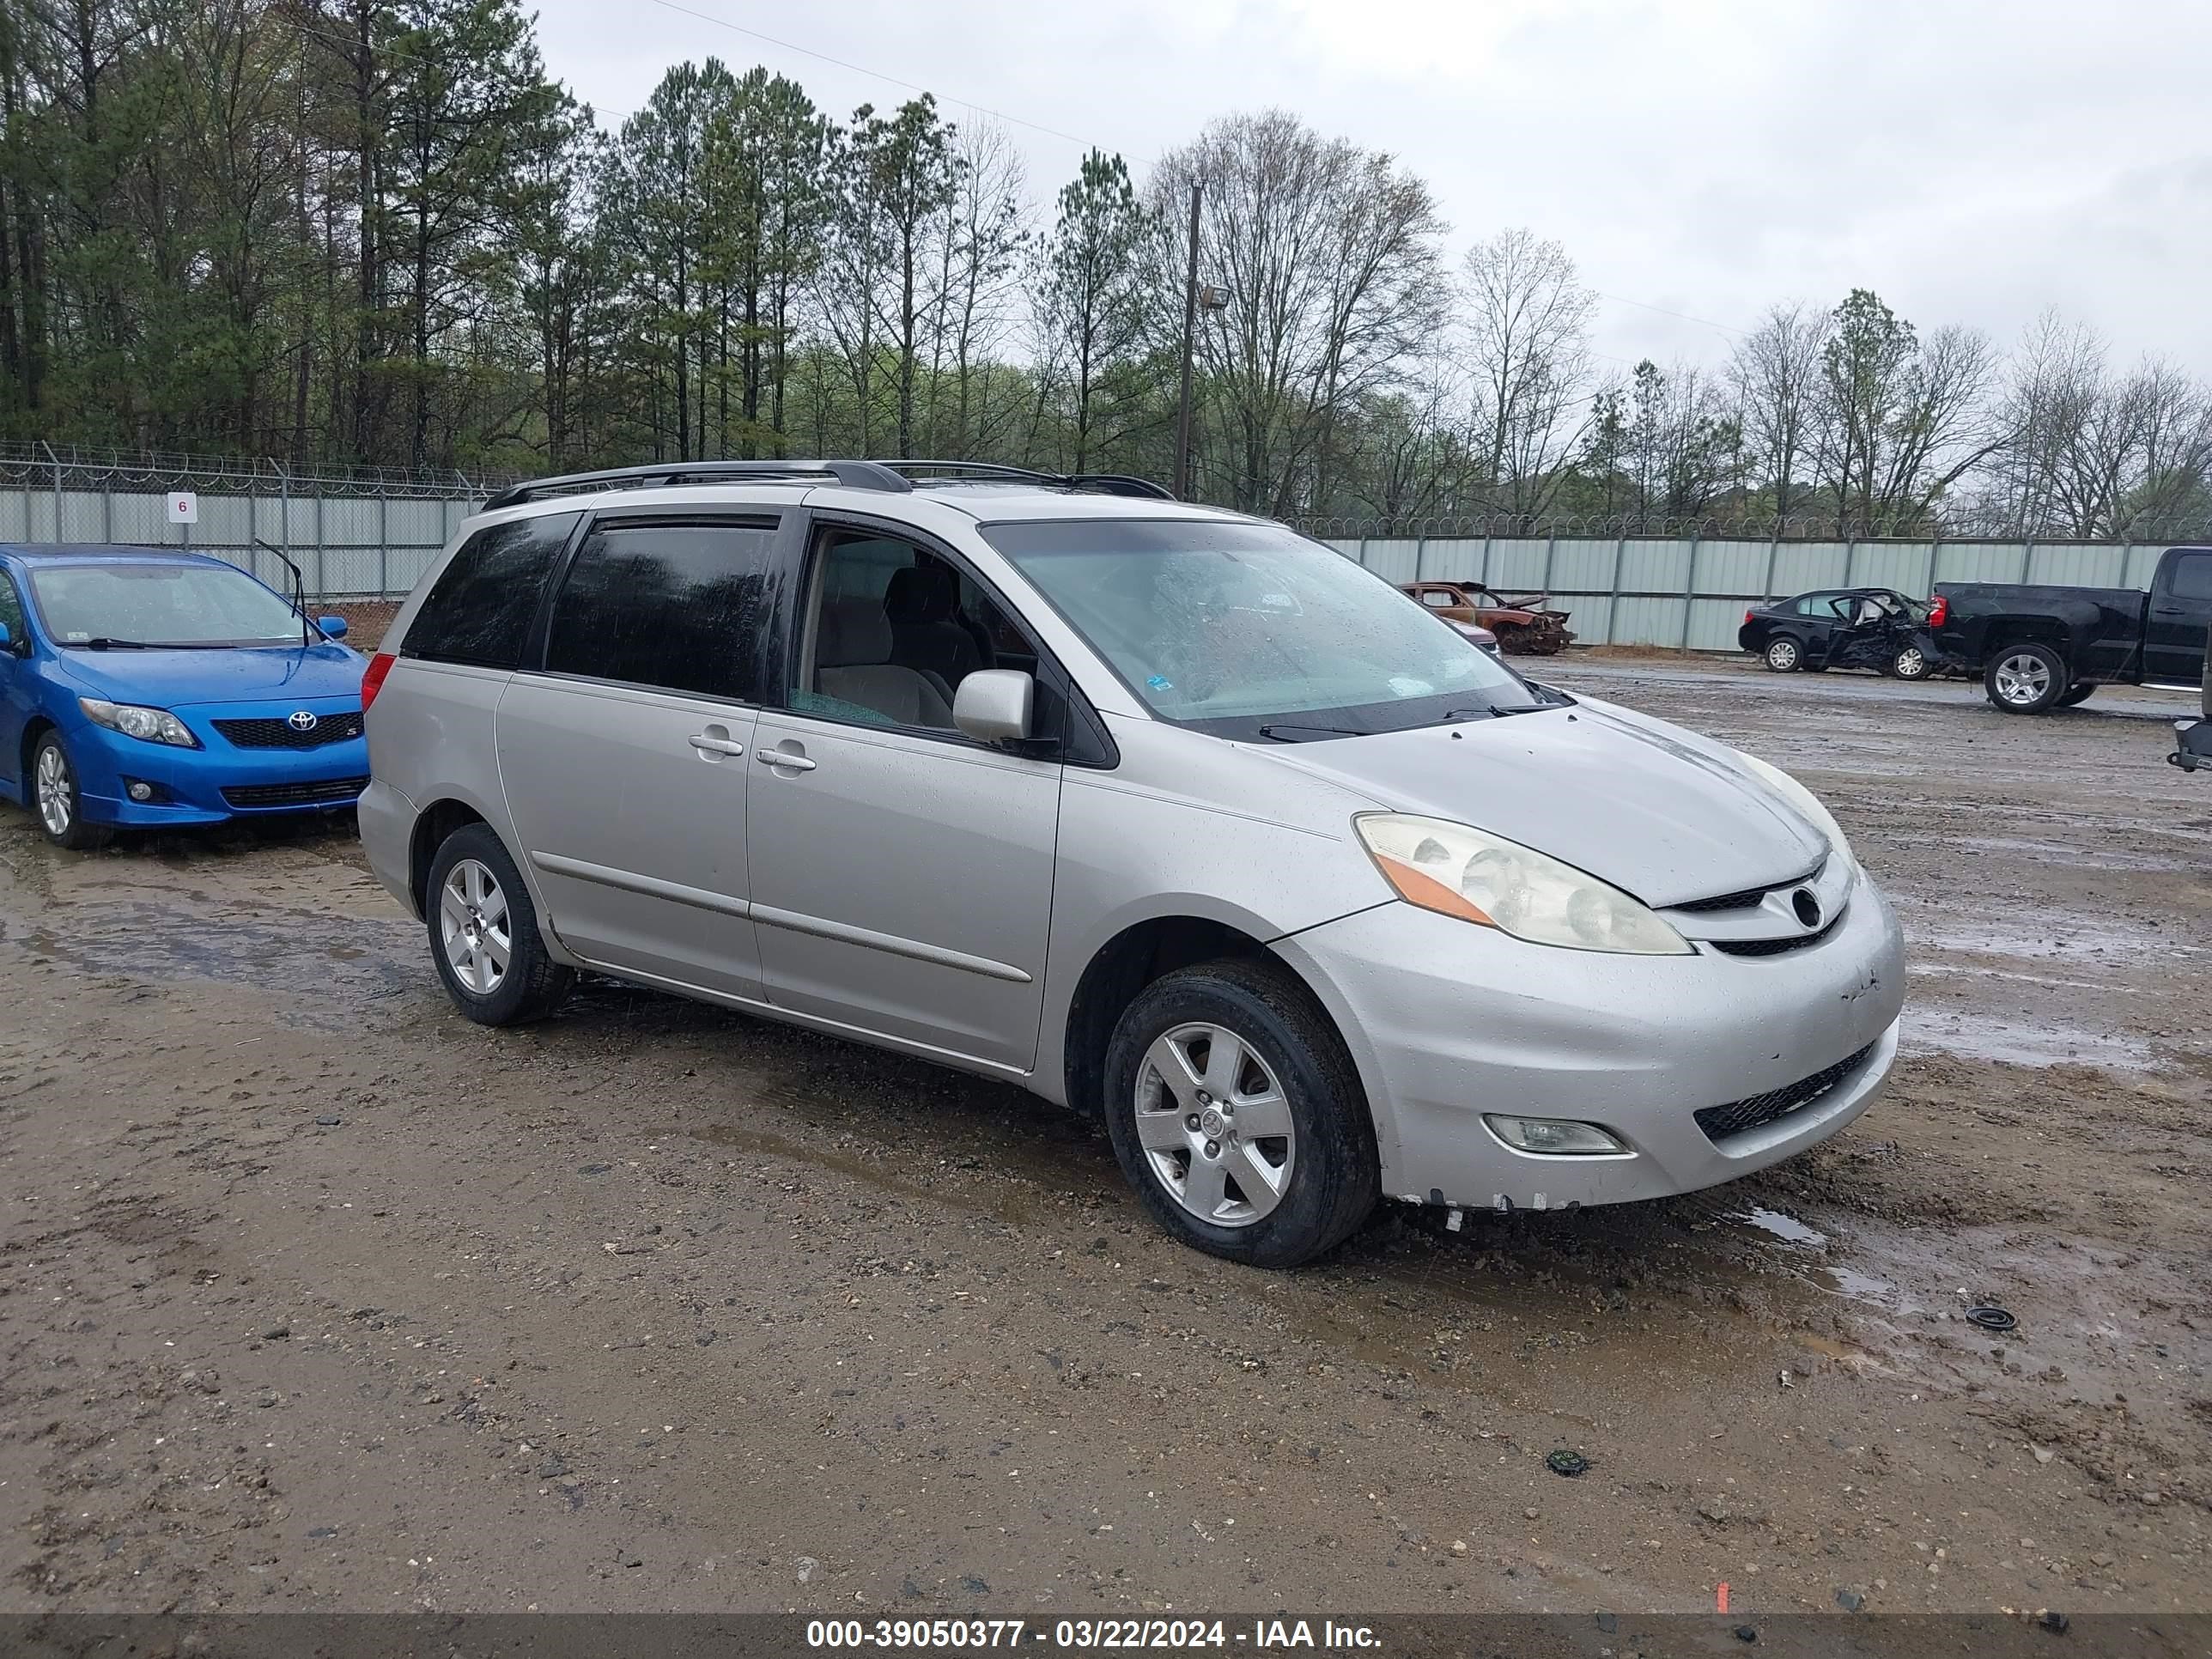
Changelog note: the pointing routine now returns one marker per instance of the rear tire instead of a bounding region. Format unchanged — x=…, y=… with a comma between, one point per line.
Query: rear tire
x=483, y=933
x=1784, y=654
x=2025, y=678
x=57, y=800
x=1910, y=663
x=1299, y=1174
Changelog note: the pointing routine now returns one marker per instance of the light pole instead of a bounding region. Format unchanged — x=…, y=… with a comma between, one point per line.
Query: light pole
x=1190, y=333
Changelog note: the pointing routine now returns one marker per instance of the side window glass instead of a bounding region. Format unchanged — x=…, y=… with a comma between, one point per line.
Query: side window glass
x=479, y=611
x=893, y=631
x=2192, y=577
x=11, y=611
x=675, y=606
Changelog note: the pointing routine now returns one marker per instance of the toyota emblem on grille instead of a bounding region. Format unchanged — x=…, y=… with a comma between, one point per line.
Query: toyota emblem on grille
x=300, y=720
x=1807, y=907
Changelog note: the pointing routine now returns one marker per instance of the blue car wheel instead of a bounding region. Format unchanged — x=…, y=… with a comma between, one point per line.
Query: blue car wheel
x=57, y=800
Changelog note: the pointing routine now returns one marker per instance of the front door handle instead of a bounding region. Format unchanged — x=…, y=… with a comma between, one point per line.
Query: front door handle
x=784, y=757
x=2168, y=611
x=707, y=743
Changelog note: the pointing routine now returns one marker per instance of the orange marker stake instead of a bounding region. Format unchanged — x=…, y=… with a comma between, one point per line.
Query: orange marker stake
x=1723, y=1598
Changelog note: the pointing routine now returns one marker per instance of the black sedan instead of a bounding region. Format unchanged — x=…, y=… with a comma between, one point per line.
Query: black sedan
x=1875, y=628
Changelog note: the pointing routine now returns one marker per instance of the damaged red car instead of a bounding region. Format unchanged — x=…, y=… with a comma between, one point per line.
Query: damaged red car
x=1525, y=626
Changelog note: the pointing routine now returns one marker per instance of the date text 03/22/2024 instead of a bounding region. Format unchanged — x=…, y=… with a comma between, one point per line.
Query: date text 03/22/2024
x=1164, y=1635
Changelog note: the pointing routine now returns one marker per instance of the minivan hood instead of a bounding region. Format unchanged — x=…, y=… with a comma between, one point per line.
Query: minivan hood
x=1663, y=814
x=178, y=679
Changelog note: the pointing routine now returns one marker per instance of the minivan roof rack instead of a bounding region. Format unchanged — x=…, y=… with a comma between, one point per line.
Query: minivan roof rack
x=888, y=476
x=1103, y=483
x=858, y=475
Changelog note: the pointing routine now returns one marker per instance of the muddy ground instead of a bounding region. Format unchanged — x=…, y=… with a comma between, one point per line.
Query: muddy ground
x=314, y=1296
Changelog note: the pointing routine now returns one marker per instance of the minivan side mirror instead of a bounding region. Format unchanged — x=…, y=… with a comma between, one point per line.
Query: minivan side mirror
x=992, y=705
x=7, y=640
x=334, y=628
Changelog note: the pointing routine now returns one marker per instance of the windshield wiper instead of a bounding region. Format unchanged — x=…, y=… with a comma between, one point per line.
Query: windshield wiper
x=1276, y=731
x=103, y=642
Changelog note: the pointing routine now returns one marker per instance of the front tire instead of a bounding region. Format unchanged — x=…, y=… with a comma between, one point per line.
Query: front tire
x=483, y=933
x=1784, y=655
x=1238, y=1116
x=57, y=800
x=2025, y=678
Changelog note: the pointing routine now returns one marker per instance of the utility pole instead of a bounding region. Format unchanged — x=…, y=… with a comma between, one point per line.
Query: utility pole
x=1189, y=343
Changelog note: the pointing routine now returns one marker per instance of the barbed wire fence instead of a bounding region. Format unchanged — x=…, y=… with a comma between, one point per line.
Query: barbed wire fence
x=369, y=532
x=353, y=531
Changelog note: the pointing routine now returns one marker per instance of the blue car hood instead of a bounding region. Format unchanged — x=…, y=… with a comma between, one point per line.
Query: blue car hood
x=179, y=679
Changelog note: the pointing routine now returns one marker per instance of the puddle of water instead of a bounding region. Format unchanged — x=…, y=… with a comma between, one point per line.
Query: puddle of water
x=2018, y=1042
x=1787, y=1228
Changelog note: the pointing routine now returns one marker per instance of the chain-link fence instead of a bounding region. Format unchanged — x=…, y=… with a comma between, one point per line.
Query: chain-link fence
x=362, y=532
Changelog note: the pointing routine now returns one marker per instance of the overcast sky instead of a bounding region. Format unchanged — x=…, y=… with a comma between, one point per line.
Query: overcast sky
x=1971, y=162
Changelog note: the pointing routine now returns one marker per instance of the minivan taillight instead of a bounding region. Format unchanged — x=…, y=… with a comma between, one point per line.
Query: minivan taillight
x=372, y=678
x=1940, y=613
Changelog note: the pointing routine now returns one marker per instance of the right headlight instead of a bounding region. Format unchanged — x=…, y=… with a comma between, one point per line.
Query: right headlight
x=1806, y=802
x=1456, y=870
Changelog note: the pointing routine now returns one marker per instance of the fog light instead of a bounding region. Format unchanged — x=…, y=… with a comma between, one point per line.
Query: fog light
x=140, y=790
x=1552, y=1137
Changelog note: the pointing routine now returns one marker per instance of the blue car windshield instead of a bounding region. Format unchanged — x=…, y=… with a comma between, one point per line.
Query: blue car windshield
x=184, y=604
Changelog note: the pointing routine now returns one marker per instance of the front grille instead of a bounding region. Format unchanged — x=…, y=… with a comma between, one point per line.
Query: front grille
x=1742, y=901
x=331, y=792
x=1720, y=1121
x=1770, y=947
x=280, y=734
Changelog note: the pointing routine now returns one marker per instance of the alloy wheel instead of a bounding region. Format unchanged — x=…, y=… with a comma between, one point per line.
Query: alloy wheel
x=2022, y=679
x=473, y=926
x=1782, y=655
x=1215, y=1125
x=55, y=807
x=1910, y=663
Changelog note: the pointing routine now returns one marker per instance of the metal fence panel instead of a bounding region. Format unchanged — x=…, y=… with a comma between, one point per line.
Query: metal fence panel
x=1904, y=565
x=367, y=534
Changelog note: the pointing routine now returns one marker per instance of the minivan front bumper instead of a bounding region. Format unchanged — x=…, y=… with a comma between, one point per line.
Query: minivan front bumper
x=1448, y=1022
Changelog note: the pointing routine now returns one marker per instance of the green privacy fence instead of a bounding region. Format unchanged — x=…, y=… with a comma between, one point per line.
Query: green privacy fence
x=1689, y=593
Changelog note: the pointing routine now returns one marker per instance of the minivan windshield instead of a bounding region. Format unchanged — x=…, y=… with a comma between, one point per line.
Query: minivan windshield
x=174, y=604
x=1252, y=630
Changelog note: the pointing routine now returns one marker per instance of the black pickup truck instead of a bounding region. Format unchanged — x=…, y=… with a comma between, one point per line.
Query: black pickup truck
x=2038, y=648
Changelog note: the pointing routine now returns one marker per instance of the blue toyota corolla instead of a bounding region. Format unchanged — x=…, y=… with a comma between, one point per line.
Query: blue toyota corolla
x=141, y=688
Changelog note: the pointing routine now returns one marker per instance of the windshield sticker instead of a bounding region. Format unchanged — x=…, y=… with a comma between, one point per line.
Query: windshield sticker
x=1161, y=682
x=76, y=635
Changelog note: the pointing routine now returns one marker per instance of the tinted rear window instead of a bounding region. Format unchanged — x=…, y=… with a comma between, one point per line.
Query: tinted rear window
x=674, y=606
x=479, y=610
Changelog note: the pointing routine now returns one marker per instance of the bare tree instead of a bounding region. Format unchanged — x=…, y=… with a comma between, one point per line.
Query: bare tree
x=1525, y=334
x=984, y=239
x=1330, y=254
x=2089, y=454
x=1774, y=372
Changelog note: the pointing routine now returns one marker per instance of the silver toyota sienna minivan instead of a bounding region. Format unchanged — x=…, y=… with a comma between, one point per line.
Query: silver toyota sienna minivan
x=1170, y=815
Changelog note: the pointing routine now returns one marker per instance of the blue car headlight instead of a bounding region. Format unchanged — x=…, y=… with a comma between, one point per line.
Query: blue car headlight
x=151, y=724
